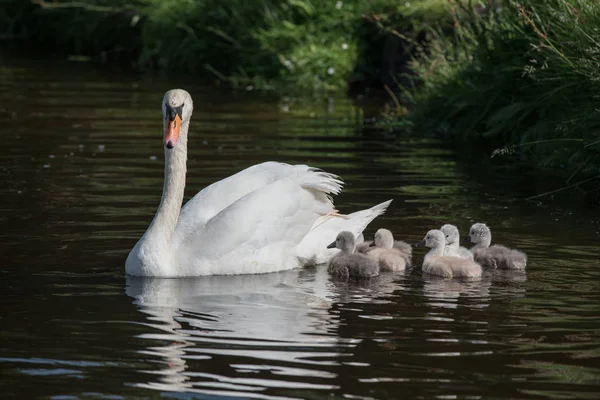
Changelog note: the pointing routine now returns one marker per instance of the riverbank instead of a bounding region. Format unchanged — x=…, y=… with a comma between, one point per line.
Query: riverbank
x=525, y=78
x=521, y=78
x=291, y=45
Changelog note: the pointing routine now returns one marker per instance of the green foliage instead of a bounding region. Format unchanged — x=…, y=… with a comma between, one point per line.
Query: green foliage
x=301, y=44
x=525, y=74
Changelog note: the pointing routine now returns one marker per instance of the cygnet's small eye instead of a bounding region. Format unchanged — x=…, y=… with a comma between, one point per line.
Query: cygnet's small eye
x=472, y=232
x=447, y=235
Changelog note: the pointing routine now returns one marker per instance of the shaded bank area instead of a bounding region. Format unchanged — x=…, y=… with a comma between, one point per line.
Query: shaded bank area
x=524, y=78
x=299, y=45
x=520, y=78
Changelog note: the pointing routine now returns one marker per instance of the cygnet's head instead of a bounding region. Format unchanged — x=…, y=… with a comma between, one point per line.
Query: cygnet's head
x=344, y=241
x=450, y=233
x=479, y=233
x=383, y=238
x=177, y=108
x=434, y=238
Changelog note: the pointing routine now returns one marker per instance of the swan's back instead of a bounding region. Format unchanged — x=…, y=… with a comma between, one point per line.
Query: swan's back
x=388, y=259
x=451, y=267
x=354, y=265
x=501, y=257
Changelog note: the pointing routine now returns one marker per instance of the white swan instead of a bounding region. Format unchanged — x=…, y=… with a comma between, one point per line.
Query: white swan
x=269, y=217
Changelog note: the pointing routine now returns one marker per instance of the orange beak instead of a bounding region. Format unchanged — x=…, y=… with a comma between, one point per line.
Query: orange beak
x=172, y=131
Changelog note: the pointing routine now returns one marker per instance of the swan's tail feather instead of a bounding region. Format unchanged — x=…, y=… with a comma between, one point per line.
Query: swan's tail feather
x=374, y=211
x=322, y=181
x=327, y=227
x=358, y=221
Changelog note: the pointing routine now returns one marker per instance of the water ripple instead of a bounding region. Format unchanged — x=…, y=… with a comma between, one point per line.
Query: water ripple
x=83, y=176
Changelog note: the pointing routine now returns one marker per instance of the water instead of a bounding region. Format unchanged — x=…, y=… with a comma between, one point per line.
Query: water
x=81, y=172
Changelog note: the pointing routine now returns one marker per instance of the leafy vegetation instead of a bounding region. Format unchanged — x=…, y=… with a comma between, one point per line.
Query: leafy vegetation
x=524, y=75
x=300, y=44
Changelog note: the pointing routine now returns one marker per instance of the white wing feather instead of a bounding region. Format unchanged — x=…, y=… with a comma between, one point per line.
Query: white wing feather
x=216, y=197
x=259, y=232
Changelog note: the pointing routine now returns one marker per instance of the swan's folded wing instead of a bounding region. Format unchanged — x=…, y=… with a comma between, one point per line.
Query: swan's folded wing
x=259, y=232
x=216, y=197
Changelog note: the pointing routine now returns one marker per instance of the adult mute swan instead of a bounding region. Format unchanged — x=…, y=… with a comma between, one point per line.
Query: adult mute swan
x=268, y=217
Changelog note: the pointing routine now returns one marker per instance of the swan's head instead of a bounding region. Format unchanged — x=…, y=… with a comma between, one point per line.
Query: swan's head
x=344, y=241
x=451, y=233
x=479, y=233
x=177, y=107
x=383, y=238
x=434, y=238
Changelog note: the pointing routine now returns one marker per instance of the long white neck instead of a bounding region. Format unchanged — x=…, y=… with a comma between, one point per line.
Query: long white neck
x=163, y=225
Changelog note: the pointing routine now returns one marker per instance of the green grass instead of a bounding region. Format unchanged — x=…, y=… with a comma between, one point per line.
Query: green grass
x=525, y=77
x=303, y=45
x=306, y=45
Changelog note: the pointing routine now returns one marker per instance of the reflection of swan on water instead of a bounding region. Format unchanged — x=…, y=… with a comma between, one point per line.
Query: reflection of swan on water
x=223, y=305
x=243, y=321
x=214, y=334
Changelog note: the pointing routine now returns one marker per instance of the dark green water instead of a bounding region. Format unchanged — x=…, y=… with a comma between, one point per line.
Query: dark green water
x=81, y=172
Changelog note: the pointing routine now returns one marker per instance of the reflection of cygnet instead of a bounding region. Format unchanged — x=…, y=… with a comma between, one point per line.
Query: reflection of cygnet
x=496, y=256
x=348, y=263
x=436, y=263
x=388, y=257
x=452, y=243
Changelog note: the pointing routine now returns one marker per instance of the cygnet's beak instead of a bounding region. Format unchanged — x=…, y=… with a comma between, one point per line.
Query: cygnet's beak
x=372, y=244
x=331, y=245
x=420, y=244
x=465, y=240
x=173, y=116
